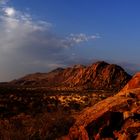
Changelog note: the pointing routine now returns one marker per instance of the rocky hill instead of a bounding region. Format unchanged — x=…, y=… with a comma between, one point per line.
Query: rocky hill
x=98, y=76
x=116, y=117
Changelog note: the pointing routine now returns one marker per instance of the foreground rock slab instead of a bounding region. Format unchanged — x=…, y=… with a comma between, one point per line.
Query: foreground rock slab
x=116, y=117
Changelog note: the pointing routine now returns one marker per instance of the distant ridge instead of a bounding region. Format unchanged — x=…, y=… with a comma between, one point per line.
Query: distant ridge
x=98, y=76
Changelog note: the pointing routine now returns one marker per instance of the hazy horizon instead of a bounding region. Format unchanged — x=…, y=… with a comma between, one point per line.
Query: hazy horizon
x=38, y=36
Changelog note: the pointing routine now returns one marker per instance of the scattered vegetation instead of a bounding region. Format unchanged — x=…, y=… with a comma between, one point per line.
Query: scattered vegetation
x=28, y=113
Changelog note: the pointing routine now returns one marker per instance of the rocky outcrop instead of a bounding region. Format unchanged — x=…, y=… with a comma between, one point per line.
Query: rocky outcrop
x=99, y=76
x=116, y=117
x=133, y=83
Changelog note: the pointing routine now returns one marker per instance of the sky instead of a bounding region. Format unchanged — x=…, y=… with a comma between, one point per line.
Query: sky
x=41, y=35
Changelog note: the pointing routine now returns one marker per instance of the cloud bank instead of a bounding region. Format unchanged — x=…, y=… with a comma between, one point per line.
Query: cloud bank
x=28, y=45
x=3, y=2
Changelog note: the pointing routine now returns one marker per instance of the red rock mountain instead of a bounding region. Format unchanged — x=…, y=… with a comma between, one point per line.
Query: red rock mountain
x=99, y=75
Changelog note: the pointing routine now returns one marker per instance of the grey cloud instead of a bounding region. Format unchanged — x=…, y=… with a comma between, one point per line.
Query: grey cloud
x=28, y=46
